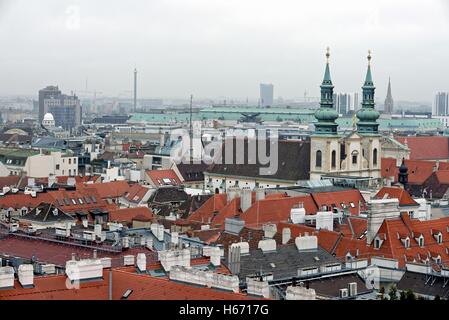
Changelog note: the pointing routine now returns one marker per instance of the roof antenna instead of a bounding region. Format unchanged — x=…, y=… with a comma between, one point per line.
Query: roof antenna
x=191, y=129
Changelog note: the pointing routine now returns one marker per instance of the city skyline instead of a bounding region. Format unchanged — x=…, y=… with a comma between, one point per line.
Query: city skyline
x=202, y=48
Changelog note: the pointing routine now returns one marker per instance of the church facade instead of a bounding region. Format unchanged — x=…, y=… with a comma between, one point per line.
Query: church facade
x=352, y=155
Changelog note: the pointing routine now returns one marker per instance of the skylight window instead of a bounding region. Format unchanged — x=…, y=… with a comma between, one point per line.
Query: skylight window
x=352, y=204
x=127, y=294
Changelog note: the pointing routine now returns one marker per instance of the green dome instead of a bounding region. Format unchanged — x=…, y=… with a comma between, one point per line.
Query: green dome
x=326, y=114
x=368, y=115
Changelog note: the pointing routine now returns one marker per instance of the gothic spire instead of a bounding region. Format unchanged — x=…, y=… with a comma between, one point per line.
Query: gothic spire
x=389, y=102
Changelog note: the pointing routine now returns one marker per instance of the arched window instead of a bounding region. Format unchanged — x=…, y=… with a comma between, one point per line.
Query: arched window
x=375, y=157
x=355, y=156
x=334, y=159
x=319, y=159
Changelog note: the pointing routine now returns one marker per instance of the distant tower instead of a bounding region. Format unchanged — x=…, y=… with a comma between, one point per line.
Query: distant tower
x=389, y=103
x=135, y=90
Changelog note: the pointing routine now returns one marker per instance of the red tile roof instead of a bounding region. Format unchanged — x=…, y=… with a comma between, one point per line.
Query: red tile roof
x=427, y=148
x=130, y=214
x=144, y=287
x=69, y=201
x=418, y=170
x=58, y=253
x=107, y=190
x=206, y=211
x=346, y=199
x=275, y=210
x=442, y=176
x=163, y=177
x=9, y=181
x=396, y=193
x=404, y=226
x=136, y=193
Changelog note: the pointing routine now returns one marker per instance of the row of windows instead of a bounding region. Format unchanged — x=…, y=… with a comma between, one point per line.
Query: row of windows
x=319, y=158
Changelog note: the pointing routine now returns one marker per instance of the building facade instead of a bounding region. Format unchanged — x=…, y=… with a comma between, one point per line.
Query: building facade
x=66, y=109
x=356, y=154
x=44, y=94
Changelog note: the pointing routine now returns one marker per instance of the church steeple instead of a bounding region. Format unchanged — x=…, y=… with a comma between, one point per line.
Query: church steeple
x=367, y=115
x=389, y=102
x=326, y=114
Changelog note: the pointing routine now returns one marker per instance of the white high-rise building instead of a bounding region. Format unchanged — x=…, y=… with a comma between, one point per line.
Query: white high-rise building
x=440, y=105
x=344, y=103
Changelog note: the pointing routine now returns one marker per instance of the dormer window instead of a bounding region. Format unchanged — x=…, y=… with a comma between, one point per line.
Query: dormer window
x=438, y=237
x=406, y=242
x=420, y=240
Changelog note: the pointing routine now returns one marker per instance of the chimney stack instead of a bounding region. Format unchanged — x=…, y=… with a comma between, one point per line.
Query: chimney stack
x=141, y=262
x=26, y=275
x=6, y=277
x=246, y=199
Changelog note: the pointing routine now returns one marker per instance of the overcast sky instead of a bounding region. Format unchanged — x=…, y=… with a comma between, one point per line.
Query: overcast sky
x=223, y=48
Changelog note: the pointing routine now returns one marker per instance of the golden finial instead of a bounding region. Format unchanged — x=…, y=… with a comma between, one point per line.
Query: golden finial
x=369, y=57
x=328, y=54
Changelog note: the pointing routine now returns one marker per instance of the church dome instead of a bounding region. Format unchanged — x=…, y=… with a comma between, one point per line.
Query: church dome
x=368, y=115
x=49, y=117
x=326, y=115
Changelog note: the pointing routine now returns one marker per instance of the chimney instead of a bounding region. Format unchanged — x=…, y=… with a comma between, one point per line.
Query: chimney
x=298, y=214
x=84, y=269
x=31, y=182
x=95, y=254
x=378, y=211
x=71, y=181
x=260, y=194
x=286, y=235
x=246, y=199
x=128, y=260
x=26, y=275
x=244, y=247
x=270, y=230
x=141, y=262
x=6, y=278
x=98, y=230
x=352, y=288
x=306, y=243
x=73, y=257
x=267, y=245
x=234, y=226
x=234, y=259
x=51, y=180
x=232, y=192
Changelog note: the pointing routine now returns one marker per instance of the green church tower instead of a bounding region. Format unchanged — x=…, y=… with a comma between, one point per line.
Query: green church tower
x=326, y=114
x=368, y=115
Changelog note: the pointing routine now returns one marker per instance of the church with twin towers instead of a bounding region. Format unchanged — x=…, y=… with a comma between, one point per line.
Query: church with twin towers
x=354, y=157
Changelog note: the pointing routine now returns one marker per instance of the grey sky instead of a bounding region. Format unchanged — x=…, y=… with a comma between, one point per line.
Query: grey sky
x=215, y=48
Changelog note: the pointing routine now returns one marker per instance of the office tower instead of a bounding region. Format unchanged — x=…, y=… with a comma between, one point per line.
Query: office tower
x=440, y=105
x=66, y=110
x=46, y=93
x=343, y=103
x=266, y=95
x=355, y=105
x=389, y=103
